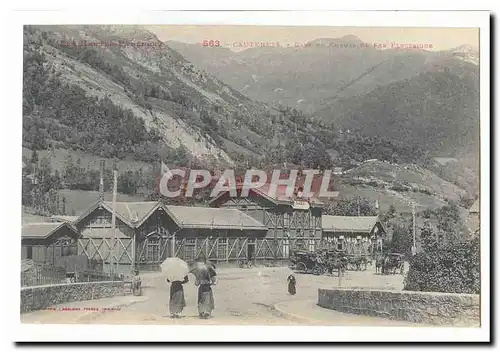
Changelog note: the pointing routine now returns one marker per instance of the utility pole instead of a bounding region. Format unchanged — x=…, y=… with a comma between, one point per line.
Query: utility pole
x=359, y=212
x=414, y=229
x=113, y=222
x=101, y=180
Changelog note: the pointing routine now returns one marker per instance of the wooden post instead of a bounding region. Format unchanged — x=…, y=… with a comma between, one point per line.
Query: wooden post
x=113, y=221
x=414, y=229
x=101, y=181
x=173, y=244
x=133, y=250
x=207, y=255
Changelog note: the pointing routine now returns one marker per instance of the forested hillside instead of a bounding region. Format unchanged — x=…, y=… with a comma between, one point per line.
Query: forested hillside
x=438, y=110
x=137, y=105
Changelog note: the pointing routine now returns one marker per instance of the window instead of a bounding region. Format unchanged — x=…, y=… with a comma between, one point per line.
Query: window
x=189, y=249
x=286, y=220
x=341, y=244
x=29, y=252
x=312, y=245
x=153, y=250
x=286, y=248
x=222, y=247
x=223, y=240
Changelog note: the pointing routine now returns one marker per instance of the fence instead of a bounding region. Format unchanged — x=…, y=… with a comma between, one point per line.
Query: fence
x=95, y=276
x=33, y=274
x=73, y=263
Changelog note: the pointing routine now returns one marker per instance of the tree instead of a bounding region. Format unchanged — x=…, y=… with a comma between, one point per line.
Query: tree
x=350, y=207
x=402, y=240
x=63, y=205
x=126, y=183
x=34, y=157
x=44, y=175
x=427, y=236
x=450, y=224
x=389, y=215
x=69, y=173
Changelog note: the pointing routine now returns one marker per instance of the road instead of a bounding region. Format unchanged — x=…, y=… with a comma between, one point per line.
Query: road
x=256, y=296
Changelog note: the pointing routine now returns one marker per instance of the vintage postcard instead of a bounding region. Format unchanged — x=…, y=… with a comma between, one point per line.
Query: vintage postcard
x=285, y=174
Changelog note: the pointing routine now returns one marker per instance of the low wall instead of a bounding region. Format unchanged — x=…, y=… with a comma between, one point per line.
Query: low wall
x=419, y=307
x=40, y=297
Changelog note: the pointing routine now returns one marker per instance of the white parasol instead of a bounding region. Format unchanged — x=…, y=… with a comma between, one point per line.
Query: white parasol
x=175, y=269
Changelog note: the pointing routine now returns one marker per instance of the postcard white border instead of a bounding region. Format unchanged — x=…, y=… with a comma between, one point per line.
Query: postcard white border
x=22, y=332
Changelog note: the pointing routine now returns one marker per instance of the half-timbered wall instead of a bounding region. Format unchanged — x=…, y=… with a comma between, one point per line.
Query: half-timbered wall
x=288, y=228
x=154, y=241
x=98, y=245
x=351, y=242
x=47, y=251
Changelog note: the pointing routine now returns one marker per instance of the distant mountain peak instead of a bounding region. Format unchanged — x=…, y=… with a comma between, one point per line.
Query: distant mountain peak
x=346, y=39
x=351, y=38
x=466, y=53
x=465, y=48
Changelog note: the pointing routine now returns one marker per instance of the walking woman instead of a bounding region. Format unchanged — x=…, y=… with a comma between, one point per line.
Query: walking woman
x=206, y=278
x=291, y=285
x=177, y=300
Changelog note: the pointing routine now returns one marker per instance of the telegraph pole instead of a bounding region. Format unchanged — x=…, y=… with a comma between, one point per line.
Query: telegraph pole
x=113, y=222
x=414, y=229
x=101, y=180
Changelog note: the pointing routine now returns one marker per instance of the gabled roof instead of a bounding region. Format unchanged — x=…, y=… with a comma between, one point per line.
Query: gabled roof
x=122, y=211
x=43, y=230
x=134, y=214
x=216, y=218
x=63, y=218
x=475, y=208
x=349, y=223
x=280, y=196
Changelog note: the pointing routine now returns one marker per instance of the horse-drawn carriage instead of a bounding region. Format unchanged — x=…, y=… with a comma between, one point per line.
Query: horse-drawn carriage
x=390, y=264
x=319, y=263
x=308, y=262
x=357, y=262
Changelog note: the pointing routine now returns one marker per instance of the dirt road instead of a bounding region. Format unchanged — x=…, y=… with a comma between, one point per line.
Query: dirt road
x=242, y=296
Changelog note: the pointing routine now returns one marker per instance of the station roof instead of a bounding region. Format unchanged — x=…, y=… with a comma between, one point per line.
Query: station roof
x=332, y=223
x=43, y=230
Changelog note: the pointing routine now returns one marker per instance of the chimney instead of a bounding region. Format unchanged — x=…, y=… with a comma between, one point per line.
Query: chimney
x=101, y=182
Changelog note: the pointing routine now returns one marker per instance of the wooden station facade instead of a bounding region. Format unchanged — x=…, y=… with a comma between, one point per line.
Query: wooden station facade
x=148, y=232
x=48, y=242
x=290, y=224
x=256, y=227
x=353, y=234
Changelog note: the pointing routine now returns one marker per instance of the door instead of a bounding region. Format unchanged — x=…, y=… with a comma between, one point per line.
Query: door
x=250, y=251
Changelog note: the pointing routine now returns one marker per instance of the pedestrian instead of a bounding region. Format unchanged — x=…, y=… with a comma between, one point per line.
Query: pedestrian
x=291, y=284
x=136, y=284
x=177, y=300
x=206, y=277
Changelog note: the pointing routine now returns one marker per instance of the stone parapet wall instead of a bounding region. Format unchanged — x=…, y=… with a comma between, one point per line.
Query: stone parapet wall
x=432, y=308
x=40, y=297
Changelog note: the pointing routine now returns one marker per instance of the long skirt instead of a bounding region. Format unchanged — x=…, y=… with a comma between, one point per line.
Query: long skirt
x=205, y=299
x=291, y=288
x=177, y=300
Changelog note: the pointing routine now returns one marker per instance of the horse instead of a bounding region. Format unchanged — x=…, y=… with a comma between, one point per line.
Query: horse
x=339, y=264
x=359, y=261
x=393, y=263
x=379, y=264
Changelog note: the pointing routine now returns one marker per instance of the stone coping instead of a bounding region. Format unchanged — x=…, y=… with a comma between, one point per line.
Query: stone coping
x=435, y=308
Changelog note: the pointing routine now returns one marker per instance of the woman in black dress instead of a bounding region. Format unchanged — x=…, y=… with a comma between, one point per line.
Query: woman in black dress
x=177, y=300
x=291, y=285
x=205, y=279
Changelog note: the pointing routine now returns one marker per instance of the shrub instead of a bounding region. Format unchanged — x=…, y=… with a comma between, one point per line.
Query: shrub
x=451, y=268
